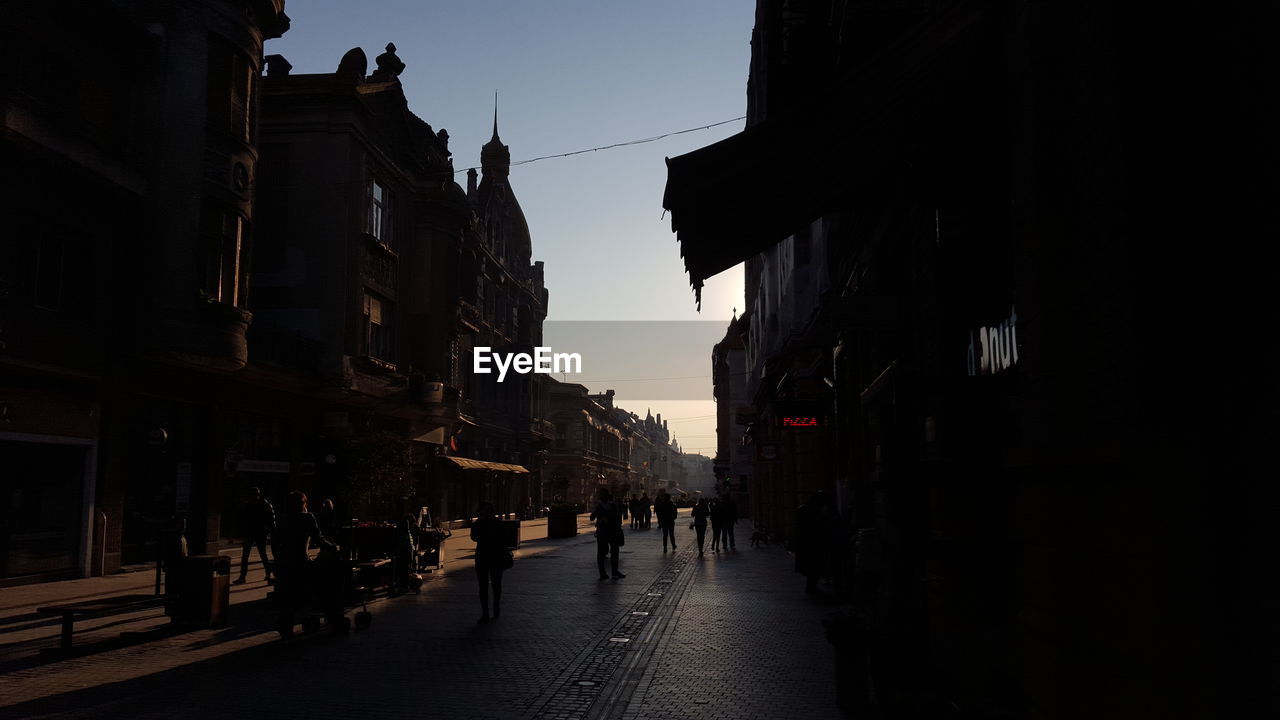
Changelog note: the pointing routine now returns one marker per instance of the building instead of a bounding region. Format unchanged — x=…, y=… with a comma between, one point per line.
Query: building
x=992, y=335
x=354, y=180
x=592, y=447
x=129, y=142
x=734, y=462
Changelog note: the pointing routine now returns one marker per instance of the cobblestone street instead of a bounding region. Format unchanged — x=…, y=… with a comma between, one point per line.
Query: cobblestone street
x=724, y=635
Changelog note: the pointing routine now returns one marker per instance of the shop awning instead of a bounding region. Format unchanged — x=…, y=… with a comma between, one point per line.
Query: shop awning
x=469, y=464
x=741, y=196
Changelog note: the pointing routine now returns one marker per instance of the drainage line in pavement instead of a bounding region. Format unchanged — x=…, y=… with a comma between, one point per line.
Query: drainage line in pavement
x=615, y=697
x=590, y=675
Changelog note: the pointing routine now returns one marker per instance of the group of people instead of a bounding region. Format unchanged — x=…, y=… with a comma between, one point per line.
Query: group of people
x=641, y=511
x=258, y=520
x=608, y=515
x=723, y=514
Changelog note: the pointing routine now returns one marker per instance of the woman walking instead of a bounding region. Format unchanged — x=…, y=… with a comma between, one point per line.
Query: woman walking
x=490, y=558
x=700, y=514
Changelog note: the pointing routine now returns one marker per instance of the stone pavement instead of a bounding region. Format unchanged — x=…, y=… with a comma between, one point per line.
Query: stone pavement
x=724, y=635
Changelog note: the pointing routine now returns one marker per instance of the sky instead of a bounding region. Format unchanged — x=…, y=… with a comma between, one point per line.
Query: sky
x=571, y=75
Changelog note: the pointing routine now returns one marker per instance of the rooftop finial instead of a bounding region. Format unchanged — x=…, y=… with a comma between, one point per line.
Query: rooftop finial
x=495, y=115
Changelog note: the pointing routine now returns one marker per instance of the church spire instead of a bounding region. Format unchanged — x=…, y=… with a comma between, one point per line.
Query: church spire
x=495, y=117
x=495, y=158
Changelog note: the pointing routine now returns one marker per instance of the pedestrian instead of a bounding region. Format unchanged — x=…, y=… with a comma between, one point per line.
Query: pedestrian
x=666, y=512
x=646, y=507
x=608, y=517
x=730, y=518
x=810, y=544
x=636, y=514
x=296, y=528
x=717, y=523
x=491, y=558
x=700, y=513
x=258, y=520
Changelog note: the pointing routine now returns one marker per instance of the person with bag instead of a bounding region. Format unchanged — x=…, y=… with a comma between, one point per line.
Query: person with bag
x=492, y=558
x=259, y=520
x=608, y=517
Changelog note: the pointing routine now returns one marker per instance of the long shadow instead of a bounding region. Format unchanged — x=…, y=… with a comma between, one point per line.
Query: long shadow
x=251, y=618
x=139, y=696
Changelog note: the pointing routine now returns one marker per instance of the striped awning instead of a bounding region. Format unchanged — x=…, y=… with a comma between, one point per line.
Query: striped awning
x=469, y=464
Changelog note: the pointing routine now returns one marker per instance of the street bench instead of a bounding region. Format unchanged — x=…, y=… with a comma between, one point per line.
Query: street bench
x=71, y=612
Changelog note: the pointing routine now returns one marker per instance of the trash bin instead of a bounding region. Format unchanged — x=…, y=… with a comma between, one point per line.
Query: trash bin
x=205, y=592
x=511, y=533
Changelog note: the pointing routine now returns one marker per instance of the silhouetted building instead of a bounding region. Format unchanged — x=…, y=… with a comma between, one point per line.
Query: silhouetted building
x=128, y=152
x=973, y=326
x=735, y=448
x=371, y=252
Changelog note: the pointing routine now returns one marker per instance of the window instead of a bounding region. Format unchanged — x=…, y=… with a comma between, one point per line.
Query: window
x=379, y=328
x=379, y=222
x=230, y=90
x=226, y=274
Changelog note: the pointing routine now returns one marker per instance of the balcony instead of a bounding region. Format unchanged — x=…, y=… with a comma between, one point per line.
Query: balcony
x=441, y=401
x=209, y=336
x=470, y=315
x=542, y=429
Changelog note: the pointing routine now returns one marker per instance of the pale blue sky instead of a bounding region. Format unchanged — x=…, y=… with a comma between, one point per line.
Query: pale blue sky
x=570, y=75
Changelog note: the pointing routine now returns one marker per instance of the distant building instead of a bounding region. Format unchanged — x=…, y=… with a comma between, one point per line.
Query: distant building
x=735, y=448
x=592, y=446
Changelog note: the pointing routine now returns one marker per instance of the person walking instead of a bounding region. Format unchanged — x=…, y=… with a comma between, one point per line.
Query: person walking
x=608, y=517
x=666, y=512
x=636, y=516
x=729, y=519
x=700, y=513
x=491, y=556
x=717, y=526
x=296, y=528
x=259, y=520
x=646, y=508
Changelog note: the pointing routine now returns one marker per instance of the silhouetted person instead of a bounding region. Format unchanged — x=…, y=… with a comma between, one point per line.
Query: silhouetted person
x=729, y=518
x=701, y=511
x=258, y=521
x=608, y=517
x=810, y=543
x=666, y=512
x=646, y=509
x=295, y=528
x=490, y=552
x=637, y=516
x=717, y=524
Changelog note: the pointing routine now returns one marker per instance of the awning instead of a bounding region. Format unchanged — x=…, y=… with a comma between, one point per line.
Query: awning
x=469, y=464
x=741, y=196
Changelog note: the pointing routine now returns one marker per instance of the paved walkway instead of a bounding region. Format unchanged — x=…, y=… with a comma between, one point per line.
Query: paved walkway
x=723, y=635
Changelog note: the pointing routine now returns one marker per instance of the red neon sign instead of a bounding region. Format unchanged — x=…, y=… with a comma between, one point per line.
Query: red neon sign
x=799, y=421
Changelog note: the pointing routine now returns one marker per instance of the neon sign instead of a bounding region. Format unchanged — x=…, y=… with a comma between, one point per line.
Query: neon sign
x=797, y=421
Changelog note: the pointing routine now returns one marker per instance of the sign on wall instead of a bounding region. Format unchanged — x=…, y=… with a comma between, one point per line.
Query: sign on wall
x=994, y=349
